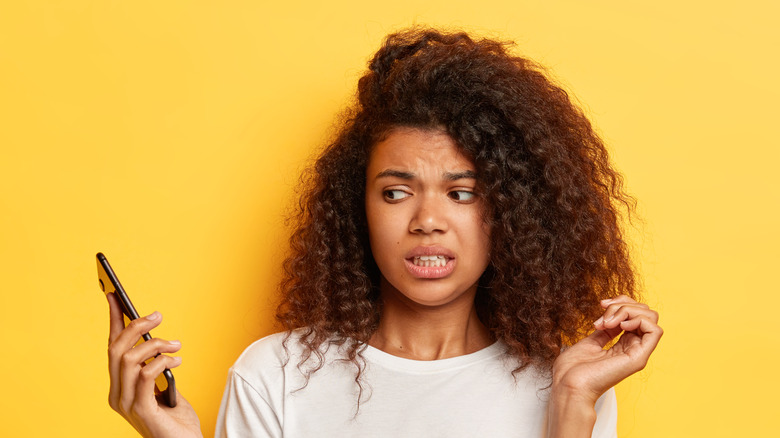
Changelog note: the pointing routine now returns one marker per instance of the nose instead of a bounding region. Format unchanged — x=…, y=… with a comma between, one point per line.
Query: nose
x=429, y=216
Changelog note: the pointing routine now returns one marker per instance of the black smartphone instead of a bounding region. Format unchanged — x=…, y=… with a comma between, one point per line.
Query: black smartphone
x=165, y=386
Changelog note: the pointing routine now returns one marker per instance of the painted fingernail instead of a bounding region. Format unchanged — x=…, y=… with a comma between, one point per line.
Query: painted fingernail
x=153, y=316
x=599, y=321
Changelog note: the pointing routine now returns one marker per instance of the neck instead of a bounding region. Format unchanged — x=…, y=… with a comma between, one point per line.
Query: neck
x=413, y=331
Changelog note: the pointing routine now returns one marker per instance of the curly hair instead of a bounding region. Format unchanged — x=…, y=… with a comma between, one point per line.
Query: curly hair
x=554, y=201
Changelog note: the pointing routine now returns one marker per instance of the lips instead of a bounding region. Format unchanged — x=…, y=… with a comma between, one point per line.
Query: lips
x=430, y=251
x=430, y=262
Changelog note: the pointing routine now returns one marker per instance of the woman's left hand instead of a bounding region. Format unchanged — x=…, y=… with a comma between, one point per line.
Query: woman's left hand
x=586, y=370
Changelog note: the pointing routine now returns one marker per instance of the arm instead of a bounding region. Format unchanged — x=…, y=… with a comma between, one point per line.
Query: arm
x=586, y=370
x=132, y=382
x=569, y=416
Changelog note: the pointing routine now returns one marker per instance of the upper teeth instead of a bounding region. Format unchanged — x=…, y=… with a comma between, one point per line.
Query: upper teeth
x=431, y=260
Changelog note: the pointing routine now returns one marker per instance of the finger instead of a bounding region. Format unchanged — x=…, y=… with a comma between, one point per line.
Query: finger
x=649, y=333
x=625, y=313
x=620, y=299
x=116, y=325
x=602, y=337
x=130, y=335
x=631, y=325
x=617, y=313
x=612, y=305
x=132, y=364
x=144, y=390
x=120, y=345
x=627, y=317
x=144, y=351
x=127, y=338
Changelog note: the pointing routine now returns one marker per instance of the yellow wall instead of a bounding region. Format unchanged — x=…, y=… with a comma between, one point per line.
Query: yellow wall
x=169, y=134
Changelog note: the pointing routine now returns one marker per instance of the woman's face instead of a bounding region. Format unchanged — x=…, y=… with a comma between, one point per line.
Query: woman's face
x=425, y=222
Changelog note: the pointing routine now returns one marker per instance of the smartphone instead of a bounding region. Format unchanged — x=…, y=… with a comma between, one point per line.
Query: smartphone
x=165, y=386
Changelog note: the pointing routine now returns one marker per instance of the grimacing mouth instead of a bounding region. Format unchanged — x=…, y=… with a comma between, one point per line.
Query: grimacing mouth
x=430, y=261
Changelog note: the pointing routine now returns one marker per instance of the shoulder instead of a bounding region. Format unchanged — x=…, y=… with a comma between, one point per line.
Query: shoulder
x=263, y=353
x=262, y=365
x=269, y=357
x=253, y=401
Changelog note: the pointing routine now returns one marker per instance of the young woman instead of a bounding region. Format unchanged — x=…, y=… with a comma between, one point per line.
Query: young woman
x=455, y=245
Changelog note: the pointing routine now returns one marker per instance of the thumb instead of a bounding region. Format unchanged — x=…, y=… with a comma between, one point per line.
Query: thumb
x=603, y=337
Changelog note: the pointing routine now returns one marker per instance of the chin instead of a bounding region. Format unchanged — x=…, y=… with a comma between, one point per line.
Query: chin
x=434, y=299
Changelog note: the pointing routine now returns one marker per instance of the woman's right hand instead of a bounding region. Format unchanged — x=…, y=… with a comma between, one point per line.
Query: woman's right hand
x=132, y=382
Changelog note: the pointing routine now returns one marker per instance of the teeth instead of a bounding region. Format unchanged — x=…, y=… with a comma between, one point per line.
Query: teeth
x=432, y=261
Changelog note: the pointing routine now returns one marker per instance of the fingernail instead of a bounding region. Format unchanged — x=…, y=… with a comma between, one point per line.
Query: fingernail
x=607, y=301
x=608, y=318
x=153, y=316
x=177, y=360
x=599, y=321
x=177, y=343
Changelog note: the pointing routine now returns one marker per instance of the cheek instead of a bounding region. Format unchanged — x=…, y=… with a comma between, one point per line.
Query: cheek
x=486, y=234
x=380, y=231
x=479, y=238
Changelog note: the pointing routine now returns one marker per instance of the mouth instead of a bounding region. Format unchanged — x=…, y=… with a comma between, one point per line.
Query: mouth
x=430, y=261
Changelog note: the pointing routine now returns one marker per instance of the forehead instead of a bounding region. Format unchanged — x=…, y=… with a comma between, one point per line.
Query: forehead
x=415, y=149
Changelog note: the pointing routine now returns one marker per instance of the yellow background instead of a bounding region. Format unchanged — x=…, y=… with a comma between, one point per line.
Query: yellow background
x=169, y=135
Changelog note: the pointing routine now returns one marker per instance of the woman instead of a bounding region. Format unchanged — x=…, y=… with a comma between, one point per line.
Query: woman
x=454, y=246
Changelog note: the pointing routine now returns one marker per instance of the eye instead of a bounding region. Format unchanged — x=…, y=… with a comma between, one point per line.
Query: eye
x=395, y=195
x=462, y=196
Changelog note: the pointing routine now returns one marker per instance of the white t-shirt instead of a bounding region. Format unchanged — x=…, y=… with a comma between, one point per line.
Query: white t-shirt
x=467, y=396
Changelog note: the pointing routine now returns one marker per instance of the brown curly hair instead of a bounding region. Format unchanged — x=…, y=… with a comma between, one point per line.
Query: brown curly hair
x=554, y=201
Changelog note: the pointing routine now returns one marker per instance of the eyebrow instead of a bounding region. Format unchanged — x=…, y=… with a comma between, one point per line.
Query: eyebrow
x=449, y=176
x=454, y=176
x=390, y=173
